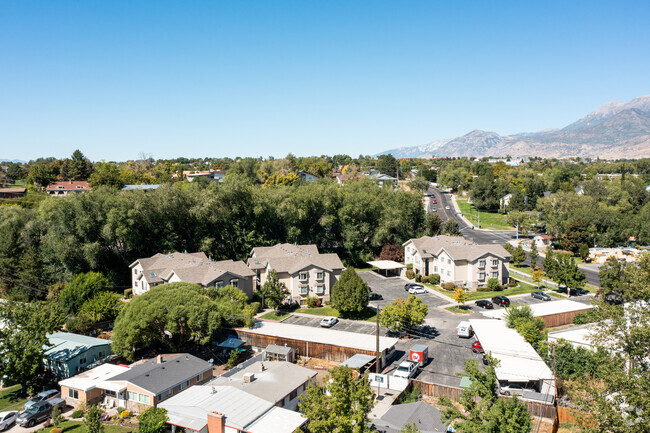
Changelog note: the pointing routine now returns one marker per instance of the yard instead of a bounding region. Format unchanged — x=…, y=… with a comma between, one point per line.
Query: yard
x=79, y=427
x=475, y=295
x=275, y=315
x=9, y=400
x=489, y=220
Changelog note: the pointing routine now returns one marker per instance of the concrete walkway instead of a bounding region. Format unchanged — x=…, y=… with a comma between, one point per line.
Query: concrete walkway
x=387, y=399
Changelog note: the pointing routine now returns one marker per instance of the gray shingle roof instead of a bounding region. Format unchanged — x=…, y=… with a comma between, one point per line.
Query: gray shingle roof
x=156, y=377
x=292, y=258
x=425, y=417
x=457, y=247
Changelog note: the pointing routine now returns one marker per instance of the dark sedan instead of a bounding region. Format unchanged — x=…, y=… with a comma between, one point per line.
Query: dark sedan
x=501, y=300
x=484, y=303
x=375, y=297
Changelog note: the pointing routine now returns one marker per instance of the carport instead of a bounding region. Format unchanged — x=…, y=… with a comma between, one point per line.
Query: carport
x=388, y=267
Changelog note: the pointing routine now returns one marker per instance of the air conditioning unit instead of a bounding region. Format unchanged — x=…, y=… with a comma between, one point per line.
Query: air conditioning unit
x=249, y=377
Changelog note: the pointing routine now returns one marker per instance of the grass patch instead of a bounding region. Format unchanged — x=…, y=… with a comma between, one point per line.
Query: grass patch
x=524, y=269
x=458, y=310
x=79, y=427
x=9, y=398
x=489, y=220
x=521, y=289
x=273, y=315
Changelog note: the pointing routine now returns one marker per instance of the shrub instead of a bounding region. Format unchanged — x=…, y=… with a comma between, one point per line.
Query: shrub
x=392, y=252
x=128, y=293
x=493, y=284
x=312, y=302
x=589, y=316
x=410, y=274
x=449, y=286
x=483, y=289
x=512, y=283
x=77, y=413
x=120, y=410
x=434, y=279
x=125, y=414
x=255, y=307
x=508, y=247
x=56, y=430
x=418, y=278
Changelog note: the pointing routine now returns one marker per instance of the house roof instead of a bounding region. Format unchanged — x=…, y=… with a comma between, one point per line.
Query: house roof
x=272, y=383
x=69, y=185
x=292, y=258
x=457, y=247
x=244, y=411
x=321, y=335
x=93, y=378
x=190, y=267
x=13, y=190
x=425, y=417
x=518, y=361
x=278, y=350
x=65, y=345
x=358, y=360
x=156, y=377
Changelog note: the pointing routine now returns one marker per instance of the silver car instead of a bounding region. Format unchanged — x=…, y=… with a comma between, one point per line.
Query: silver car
x=42, y=396
x=7, y=419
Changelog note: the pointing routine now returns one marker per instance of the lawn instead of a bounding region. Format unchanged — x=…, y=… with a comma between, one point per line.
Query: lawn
x=8, y=398
x=489, y=220
x=458, y=310
x=79, y=427
x=368, y=315
x=522, y=288
x=273, y=315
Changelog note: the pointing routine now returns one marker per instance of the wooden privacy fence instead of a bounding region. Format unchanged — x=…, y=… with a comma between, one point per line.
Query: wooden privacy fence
x=308, y=349
x=435, y=390
x=560, y=319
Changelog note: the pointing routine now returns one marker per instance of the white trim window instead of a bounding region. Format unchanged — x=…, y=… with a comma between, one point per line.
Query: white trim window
x=495, y=262
x=320, y=289
x=481, y=276
x=218, y=284
x=304, y=290
x=73, y=393
x=303, y=276
x=481, y=263
x=320, y=275
x=495, y=275
x=234, y=282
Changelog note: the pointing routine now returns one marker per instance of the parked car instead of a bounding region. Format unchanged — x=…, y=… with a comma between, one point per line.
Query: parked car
x=433, y=200
x=501, y=300
x=36, y=413
x=434, y=209
x=406, y=369
x=375, y=297
x=540, y=295
x=447, y=207
x=42, y=396
x=579, y=292
x=7, y=419
x=328, y=322
x=511, y=389
x=416, y=290
x=407, y=286
x=484, y=303
x=477, y=348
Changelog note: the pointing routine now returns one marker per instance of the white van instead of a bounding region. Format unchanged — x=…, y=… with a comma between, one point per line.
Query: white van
x=464, y=329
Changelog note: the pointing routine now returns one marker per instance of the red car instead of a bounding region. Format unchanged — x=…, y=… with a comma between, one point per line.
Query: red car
x=476, y=347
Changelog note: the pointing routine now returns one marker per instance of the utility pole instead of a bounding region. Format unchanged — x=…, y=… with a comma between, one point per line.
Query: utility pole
x=377, y=369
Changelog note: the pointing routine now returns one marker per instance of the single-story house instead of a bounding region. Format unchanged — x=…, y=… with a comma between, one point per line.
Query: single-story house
x=12, y=192
x=63, y=188
x=69, y=354
x=228, y=409
x=425, y=417
x=543, y=242
x=193, y=268
x=308, y=177
x=600, y=255
x=279, y=382
x=141, y=385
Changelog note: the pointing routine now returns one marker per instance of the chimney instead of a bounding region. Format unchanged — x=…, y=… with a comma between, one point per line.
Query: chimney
x=159, y=359
x=216, y=422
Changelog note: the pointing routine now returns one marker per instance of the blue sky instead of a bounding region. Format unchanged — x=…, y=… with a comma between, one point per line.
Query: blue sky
x=260, y=78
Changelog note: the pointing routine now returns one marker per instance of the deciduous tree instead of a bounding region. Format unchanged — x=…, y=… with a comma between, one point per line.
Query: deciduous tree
x=341, y=405
x=459, y=295
x=518, y=255
x=153, y=420
x=400, y=314
x=82, y=287
x=274, y=292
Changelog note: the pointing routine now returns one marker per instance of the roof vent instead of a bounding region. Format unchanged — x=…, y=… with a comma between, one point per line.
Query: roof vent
x=249, y=377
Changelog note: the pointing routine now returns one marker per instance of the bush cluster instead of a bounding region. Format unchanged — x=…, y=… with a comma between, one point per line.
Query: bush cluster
x=410, y=274
x=313, y=302
x=449, y=286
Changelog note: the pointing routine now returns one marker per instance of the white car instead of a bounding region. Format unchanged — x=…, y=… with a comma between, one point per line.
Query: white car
x=447, y=207
x=406, y=369
x=511, y=389
x=7, y=419
x=328, y=322
x=416, y=290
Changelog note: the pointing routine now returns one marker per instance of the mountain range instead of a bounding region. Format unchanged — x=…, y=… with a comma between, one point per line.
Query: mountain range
x=615, y=130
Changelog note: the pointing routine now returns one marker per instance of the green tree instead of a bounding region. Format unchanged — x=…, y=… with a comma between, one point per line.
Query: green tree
x=516, y=312
x=614, y=280
x=460, y=296
x=576, y=234
x=387, y=164
x=350, y=293
x=106, y=174
x=537, y=276
x=173, y=316
x=78, y=167
x=483, y=411
x=23, y=339
x=103, y=306
x=419, y=184
x=410, y=428
x=508, y=247
x=341, y=405
x=274, y=292
x=584, y=252
x=450, y=227
x=82, y=288
x=93, y=419
x=493, y=284
x=153, y=420
x=56, y=417
x=568, y=273
x=533, y=254
x=483, y=192
x=550, y=264
x=400, y=314
x=518, y=255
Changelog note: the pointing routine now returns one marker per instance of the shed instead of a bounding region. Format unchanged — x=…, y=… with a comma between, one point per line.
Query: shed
x=358, y=361
x=274, y=352
x=231, y=343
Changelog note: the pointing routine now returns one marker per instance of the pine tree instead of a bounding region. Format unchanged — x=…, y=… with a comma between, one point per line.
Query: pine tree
x=533, y=254
x=350, y=293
